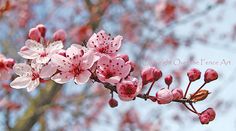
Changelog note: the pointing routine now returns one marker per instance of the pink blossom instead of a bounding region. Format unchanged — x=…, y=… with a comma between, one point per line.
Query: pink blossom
x=128, y=89
x=5, y=68
x=177, y=93
x=168, y=80
x=28, y=76
x=211, y=113
x=59, y=35
x=210, y=75
x=34, y=34
x=103, y=44
x=194, y=74
x=150, y=74
x=75, y=65
x=42, y=29
x=204, y=118
x=35, y=50
x=112, y=70
x=164, y=96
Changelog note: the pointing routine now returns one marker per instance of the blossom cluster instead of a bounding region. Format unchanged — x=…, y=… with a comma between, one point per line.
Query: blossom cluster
x=99, y=61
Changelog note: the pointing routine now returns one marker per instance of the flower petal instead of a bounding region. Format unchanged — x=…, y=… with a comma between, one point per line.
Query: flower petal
x=22, y=69
x=62, y=63
x=34, y=46
x=83, y=77
x=114, y=80
x=48, y=70
x=20, y=82
x=43, y=60
x=26, y=53
x=54, y=47
x=33, y=85
x=62, y=77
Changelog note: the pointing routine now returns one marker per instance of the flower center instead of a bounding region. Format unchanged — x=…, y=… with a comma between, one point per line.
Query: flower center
x=2, y=65
x=43, y=54
x=130, y=89
x=35, y=75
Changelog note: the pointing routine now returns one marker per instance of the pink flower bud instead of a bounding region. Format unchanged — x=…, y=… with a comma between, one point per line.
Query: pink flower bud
x=124, y=57
x=204, y=118
x=194, y=74
x=168, y=80
x=59, y=35
x=34, y=34
x=150, y=74
x=164, y=96
x=132, y=64
x=210, y=75
x=177, y=94
x=211, y=113
x=42, y=29
x=113, y=103
x=9, y=62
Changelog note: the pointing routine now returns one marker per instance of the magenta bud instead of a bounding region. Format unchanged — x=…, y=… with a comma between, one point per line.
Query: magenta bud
x=113, y=103
x=42, y=29
x=210, y=75
x=59, y=35
x=168, y=80
x=177, y=94
x=194, y=74
x=34, y=34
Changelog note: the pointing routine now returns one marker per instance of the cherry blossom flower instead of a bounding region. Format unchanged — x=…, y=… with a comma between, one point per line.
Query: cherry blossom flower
x=112, y=70
x=36, y=50
x=28, y=76
x=150, y=74
x=103, y=44
x=75, y=65
x=128, y=89
x=194, y=74
x=164, y=96
x=5, y=67
x=177, y=94
x=210, y=75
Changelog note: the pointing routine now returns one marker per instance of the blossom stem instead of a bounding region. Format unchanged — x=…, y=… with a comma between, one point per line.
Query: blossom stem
x=189, y=108
x=150, y=88
x=185, y=94
x=200, y=88
x=191, y=104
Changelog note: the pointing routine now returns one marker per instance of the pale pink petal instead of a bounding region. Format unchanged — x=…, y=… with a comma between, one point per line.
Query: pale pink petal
x=48, y=70
x=72, y=51
x=87, y=60
x=54, y=47
x=22, y=69
x=26, y=53
x=34, y=46
x=83, y=77
x=20, y=82
x=43, y=60
x=101, y=77
x=5, y=74
x=62, y=63
x=62, y=77
x=114, y=80
x=33, y=84
x=115, y=44
x=92, y=42
x=125, y=70
x=104, y=62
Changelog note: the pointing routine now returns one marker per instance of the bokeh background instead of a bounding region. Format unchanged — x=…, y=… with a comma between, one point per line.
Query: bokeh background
x=173, y=35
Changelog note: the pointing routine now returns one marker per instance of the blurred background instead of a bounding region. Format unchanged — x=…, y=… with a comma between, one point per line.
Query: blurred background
x=173, y=35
